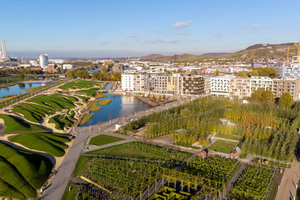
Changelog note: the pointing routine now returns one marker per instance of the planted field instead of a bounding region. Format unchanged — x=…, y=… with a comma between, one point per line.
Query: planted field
x=143, y=150
x=223, y=146
x=55, y=101
x=104, y=139
x=53, y=144
x=170, y=193
x=22, y=172
x=15, y=125
x=253, y=183
x=79, y=84
x=213, y=168
x=33, y=112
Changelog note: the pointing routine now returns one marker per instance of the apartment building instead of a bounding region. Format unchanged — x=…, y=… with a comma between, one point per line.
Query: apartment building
x=220, y=86
x=261, y=82
x=175, y=84
x=240, y=87
x=193, y=85
x=133, y=82
x=291, y=86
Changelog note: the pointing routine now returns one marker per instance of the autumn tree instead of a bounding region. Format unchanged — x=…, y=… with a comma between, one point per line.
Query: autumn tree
x=286, y=100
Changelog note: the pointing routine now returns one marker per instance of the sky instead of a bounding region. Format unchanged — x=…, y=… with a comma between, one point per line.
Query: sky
x=122, y=28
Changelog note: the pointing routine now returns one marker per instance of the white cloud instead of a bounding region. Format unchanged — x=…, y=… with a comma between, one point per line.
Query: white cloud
x=132, y=36
x=255, y=26
x=182, y=24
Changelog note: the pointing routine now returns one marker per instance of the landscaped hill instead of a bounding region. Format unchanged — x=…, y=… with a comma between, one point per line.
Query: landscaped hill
x=252, y=52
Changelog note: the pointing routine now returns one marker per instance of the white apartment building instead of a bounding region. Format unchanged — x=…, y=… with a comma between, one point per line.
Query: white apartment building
x=133, y=82
x=261, y=82
x=68, y=66
x=220, y=85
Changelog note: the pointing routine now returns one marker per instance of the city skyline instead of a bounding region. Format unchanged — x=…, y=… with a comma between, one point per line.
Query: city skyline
x=135, y=28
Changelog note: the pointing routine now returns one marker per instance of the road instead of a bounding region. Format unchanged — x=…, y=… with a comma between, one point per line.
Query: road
x=288, y=186
x=60, y=180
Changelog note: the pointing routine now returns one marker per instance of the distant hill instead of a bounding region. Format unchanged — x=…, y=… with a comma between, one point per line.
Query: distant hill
x=262, y=50
x=256, y=51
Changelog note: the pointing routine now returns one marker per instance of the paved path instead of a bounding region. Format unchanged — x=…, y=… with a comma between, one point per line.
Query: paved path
x=287, y=188
x=234, y=178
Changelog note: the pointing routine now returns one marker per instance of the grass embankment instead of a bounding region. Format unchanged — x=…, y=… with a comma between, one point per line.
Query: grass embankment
x=4, y=80
x=223, y=146
x=55, y=101
x=62, y=121
x=70, y=192
x=8, y=96
x=22, y=172
x=86, y=118
x=79, y=84
x=84, y=99
x=33, y=112
x=90, y=92
x=142, y=150
x=104, y=139
x=15, y=125
x=37, y=88
x=298, y=192
x=104, y=102
x=53, y=144
x=94, y=106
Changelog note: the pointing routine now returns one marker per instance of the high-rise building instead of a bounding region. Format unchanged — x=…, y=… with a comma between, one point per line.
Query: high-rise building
x=43, y=60
x=3, y=49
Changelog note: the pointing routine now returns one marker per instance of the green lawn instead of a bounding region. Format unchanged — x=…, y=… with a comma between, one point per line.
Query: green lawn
x=229, y=136
x=223, y=146
x=90, y=92
x=33, y=112
x=298, y=192
x=62, y=121
x=21, y=172
x=80, y=165
x=69, y=195
x=104, y=139
x=15, y=125
x=142, y=150
x=84, y=99
x=79, y=84
x=53, y=144
x=55, y=101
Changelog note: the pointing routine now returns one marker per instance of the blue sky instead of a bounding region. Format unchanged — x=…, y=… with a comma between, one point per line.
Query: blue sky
x=112, y=28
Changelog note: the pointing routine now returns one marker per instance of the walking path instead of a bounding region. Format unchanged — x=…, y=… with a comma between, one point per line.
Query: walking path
x=234, y=178
x=288, y=186
x=95, y=147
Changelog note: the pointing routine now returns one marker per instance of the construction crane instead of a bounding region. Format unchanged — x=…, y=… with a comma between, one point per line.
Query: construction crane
x=287, y=56
x=298, y=52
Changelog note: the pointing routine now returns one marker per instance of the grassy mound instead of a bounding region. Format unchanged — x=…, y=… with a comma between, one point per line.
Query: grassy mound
x=104, y=139
x=15, y=125
x=79, y=85
x=53, y=144
x=90, y=92
x=33, y=112
x=84, y=99
x=62, y=121
x=55, y=101
x=101, y=95
x=22, y=172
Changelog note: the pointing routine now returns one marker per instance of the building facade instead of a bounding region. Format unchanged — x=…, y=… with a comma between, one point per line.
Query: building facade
x=291, y=86
x=240, y=88
x=220, y=86
x=43, y=59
